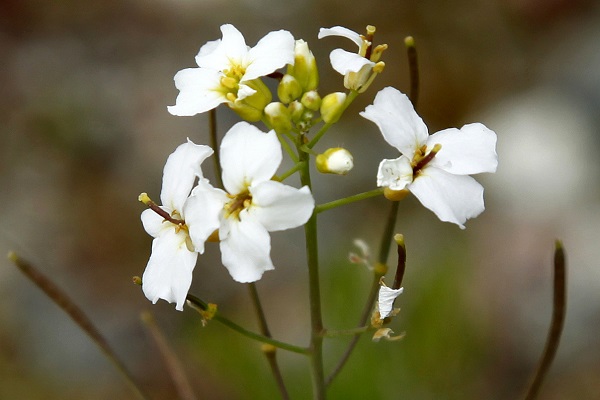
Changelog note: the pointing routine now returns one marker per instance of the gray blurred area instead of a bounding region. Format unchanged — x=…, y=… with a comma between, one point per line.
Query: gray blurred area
x=84, y=130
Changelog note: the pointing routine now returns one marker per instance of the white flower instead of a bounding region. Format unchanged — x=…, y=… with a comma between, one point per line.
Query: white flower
x=357, y=68
x=434, y=168
x=385, y=303
x=168, y=274
x=226, y=67
x=252, y=206
x=336, y=160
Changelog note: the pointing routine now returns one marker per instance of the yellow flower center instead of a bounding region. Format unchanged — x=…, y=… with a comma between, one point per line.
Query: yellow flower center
x=237, y=204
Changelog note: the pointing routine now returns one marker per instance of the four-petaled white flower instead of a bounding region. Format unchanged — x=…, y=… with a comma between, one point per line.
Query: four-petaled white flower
x=434, y=168
x=168, y=274
x=226, y=68
x=252, y=206
x=357, y=68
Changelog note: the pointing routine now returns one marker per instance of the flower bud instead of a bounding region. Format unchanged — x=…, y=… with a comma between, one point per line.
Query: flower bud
x=332, y=107
x=296, y=111
x=335, y=161
x=279, y=117
x=395, y=195
x=251, y=108
x=289, y=89
x=311, y=100
x=305, y=67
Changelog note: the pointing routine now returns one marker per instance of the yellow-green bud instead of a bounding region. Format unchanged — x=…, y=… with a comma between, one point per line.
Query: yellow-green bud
x=296, y=111
x=251, y=108
x=311, y=100
x=289, y=89
x=305, y=67
x=332, y=107
x=335, y=161
x=279, y=117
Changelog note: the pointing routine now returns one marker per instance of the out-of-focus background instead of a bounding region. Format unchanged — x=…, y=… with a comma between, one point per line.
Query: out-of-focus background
x=84, y=129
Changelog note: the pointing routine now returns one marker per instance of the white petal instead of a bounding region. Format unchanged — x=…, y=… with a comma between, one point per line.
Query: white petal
x=245, y=249
x=203, y=211
x=223, y=54
x=199, y=91
x=180, y=172
x=395, y=174
x=470, y=150
x=386, y=300
x=248, y=155
x=278, y=207
x=244, y=91
x=272, y=52
x=341, y=31
x=343, y=61
x=395, y=116
x=154, y=224
x=453, y=198
x=168, y=275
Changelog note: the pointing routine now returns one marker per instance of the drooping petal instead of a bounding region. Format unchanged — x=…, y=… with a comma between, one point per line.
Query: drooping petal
x=180, y=172
x=231, y=50
x=344, y=62
x=470, y=150
x=245, y=248
x=341, y=31
x=386, y=300
x=395, y=174
x=203, y=211
x=154, y=224
x=395, y=116
x=199, y=91
x=272, y=52
x=453, y=198
x=278, y=207
x=168, y=275
x=248, y=155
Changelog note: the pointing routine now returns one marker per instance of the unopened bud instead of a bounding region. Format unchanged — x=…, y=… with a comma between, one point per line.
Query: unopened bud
x=289, y=89
x=279, y=117
x=305, y=67
x=335, y=161
x=311, y=100
x=333, y=106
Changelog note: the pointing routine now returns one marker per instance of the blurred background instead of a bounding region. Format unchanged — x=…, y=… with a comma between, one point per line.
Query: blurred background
x=84, y=129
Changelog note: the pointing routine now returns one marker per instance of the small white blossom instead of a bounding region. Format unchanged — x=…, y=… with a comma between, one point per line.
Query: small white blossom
x=252, y=205
x=226, y=68
x=168, y=274
x=336, y=160
x=435, y=168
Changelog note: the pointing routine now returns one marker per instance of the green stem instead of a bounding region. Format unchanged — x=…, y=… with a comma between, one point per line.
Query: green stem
x=316, y=319
x=214, y=143
x=349, y=99
x=270, y=353
x=289, y=172
x=345, y=332
x=202, y=306
x=347, y=200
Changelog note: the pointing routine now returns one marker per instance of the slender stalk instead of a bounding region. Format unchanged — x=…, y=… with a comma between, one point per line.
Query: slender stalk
x=270, y=352
x=174, y=366
x=214, y=143
x=198, y=304
x=316, y=319
x=61, y=299
x=289, y=172
x=413, y=70
x=347, y=200
x=558, y=318
x=288, y=149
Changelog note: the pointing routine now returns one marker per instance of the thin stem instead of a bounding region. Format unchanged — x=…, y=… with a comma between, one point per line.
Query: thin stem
x=558, y=318
x=174, y=366
x=316, y=319
x=347, y=200
x=413, y=68
x=214, y=143
x=202, y=306
x=61, y=299
x=269, y=352
x=289, y=172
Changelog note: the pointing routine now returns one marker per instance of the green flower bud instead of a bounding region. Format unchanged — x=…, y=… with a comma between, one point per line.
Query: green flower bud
x=279, y=117
x=305, y=67
x=311, y=100
x=296, y=111
x=289, y=89
x=332, y=107
x=251, y=108
x=335, y=161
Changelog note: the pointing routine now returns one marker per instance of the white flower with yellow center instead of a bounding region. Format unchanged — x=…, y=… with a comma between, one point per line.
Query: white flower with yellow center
x=229, y=70
x=252, y=204
x=435, y=168
x=168, y=275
